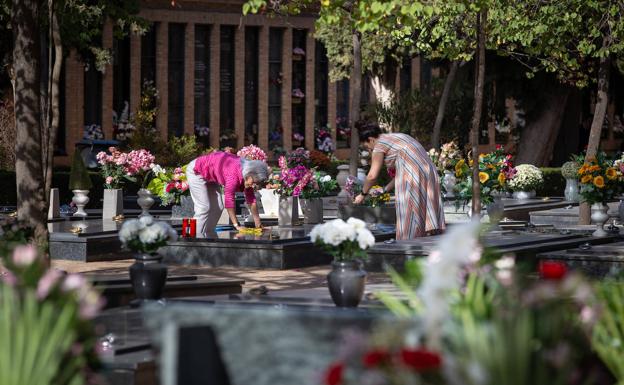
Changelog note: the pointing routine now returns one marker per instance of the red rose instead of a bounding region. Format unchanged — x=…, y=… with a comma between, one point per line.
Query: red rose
x=333, y=376
x=420, y=359
x=170, y=186
x=552, y=269
x=375, y=357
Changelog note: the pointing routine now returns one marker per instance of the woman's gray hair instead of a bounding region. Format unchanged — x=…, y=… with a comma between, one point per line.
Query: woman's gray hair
x=256, y=169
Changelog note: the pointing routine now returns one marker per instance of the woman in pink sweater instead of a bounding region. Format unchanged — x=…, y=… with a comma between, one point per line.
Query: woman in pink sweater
x=214, y=179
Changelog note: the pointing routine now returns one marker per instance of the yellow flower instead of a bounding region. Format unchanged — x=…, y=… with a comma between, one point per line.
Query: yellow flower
x=586, y=179
x=599, y=181
x=594, y=168
x=501, y=179
x=458, y=167
x=483, y=177
x=583, y=169
x=611, y=173
x=325, y=3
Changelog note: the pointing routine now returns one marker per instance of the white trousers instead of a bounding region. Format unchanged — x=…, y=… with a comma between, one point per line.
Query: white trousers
x=208, y=201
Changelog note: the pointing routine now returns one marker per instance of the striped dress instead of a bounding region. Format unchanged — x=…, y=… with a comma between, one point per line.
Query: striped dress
x=419, y=207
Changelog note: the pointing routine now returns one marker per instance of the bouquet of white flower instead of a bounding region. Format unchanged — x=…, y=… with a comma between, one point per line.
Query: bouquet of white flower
x=345, y=241
x=145, y=235
x=527, y=178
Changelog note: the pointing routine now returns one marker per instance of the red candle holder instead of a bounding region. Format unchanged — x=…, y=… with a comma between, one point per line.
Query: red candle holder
x=185, y=227
x=193, y=228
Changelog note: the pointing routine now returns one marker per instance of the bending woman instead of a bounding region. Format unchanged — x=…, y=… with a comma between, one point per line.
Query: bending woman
x=419, y=208
x=208, y=174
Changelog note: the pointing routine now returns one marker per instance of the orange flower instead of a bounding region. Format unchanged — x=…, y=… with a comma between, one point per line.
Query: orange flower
x=483, y=177
x=583, y=169
x=501, y=179
x=586, y=179
x=611, y=173
x=599, y=181
x=594, y=168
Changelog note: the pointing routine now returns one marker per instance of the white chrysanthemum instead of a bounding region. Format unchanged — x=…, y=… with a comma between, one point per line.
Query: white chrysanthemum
x=527, y=178
x=357, y=224
x=365, y=239
x=325, y=178
x=147, y=220
x=150, y=234
x=130, y=230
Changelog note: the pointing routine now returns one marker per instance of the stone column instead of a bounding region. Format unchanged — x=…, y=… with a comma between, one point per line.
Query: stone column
x=107, y=84
x=263, y=88
x=287, y=48
x=416, y=73
x=189, y=79
x=239, y=85
x=162, y=77
x=135, y=72
x=215, y=95
x=74, y=101
x=309, y=90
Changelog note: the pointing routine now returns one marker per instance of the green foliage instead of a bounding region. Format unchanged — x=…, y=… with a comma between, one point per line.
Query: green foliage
x=608, y=333
x=12, y=234
x=554, y=183
x=79, y=176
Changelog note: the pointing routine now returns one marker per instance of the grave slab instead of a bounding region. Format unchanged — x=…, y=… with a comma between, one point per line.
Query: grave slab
x=564, y=217
x=599, y=261
x=276, y=248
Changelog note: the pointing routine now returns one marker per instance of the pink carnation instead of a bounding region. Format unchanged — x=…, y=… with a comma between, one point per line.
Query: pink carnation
x=24, y=255
x=109, y=179
x=170, y=187
x=178, y=170
x=252, y=152
x=184, y=186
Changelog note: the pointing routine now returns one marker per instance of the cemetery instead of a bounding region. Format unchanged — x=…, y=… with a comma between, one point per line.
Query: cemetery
x=281, y=192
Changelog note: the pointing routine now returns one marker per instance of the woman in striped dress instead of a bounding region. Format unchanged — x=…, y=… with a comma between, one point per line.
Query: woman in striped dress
x=419, y=208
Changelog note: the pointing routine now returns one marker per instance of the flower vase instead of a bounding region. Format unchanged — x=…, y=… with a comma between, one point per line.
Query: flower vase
x=621, y=211
x=148, y=276
x=496, y=210
x=312, y=210
x=361, y=175
x=288, y=213
x=145, y=201
x=113, y=203
x=599, y=217
x=346, y=282
x=524, y=195
x=80, y=199
x=270, y=201
x=185, y=209
x=449, y=181
x=571, y=191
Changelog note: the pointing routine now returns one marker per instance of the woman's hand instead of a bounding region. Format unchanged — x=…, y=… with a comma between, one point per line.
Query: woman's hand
x=359, y=199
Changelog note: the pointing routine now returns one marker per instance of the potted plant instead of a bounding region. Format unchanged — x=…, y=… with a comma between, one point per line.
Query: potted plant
x=112, y=169
x=525, y=181
x=79, y=184
x=298, y=54
x=310, y=197
x=445, y=161
x=347, y=243
x=375, y=208
x=599, y=184
x=140, y=166
x=294, y=176
x=144, y=237
x=172, y=188
x=569, y=171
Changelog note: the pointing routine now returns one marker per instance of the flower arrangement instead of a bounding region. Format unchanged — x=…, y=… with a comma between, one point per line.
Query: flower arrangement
x=318, y=186
x=145, y=235
x=449, y=155
x=324, y=140
x=527, y=178
x=252, y=152
x=298, y=157
x=377, y=196
x=345, y=241
x=120, y=166
x=599, y=178
x=93, y=132
x=297, y=137
x=298, y=51
x=292, y=180
x=569, y=170
x=169, y=185
x=201, y=131
x=353, y=186
x=47, y=320
x=297, y=93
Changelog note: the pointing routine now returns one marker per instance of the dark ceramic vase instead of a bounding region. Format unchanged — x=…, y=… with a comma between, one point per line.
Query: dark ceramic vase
x=148, y=276
x=346, y=283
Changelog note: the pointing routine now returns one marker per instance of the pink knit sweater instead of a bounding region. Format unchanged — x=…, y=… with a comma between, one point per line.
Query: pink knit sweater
x=224, y=168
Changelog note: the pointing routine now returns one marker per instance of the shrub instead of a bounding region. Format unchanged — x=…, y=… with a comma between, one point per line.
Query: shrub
x=554, y=183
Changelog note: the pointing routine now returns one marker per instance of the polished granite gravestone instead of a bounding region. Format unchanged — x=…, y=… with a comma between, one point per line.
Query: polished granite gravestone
x=597, y=261
x=524, y=244
x=515, y=209
x=568, y=216
x=276, y=248
x=251, y=345
x=98, y=240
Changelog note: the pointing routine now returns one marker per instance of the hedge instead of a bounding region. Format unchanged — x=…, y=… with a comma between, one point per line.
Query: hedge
x=554, y=183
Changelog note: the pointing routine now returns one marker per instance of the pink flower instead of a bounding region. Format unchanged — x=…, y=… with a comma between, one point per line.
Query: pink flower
x=8, y=278
x=74, y=282
x=109, y=179
x=176, y=177
x=184, y=186
x=252, y=152
x=178, y=170
x=47, y=282
x=90, y=305
x=170, y=186
x=24, y=255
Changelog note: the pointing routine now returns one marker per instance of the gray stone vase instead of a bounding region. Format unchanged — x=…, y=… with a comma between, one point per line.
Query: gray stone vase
x=184, y=210
x=496, y=210
x=346, y=283
x=148, y=276
x=312, y=210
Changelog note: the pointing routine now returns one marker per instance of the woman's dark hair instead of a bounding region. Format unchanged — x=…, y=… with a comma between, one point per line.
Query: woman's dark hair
x=367, y=130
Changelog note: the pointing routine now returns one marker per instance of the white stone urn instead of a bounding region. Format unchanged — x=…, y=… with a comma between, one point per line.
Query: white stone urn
x=449, y=181
x=113, y=203
x=341, y=178
x=145, y=201
x=288, y=214
x=599, y=217
x=80, y=199
x=270, y=201
x=524, y=195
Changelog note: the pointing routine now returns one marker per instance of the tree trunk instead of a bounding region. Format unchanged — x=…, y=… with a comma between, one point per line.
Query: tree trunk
x=356, y=96
x=54, y=102
x=476, y=117
x=28, y=163
x=539, y=136
x=600, y=110
x=450, y=78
